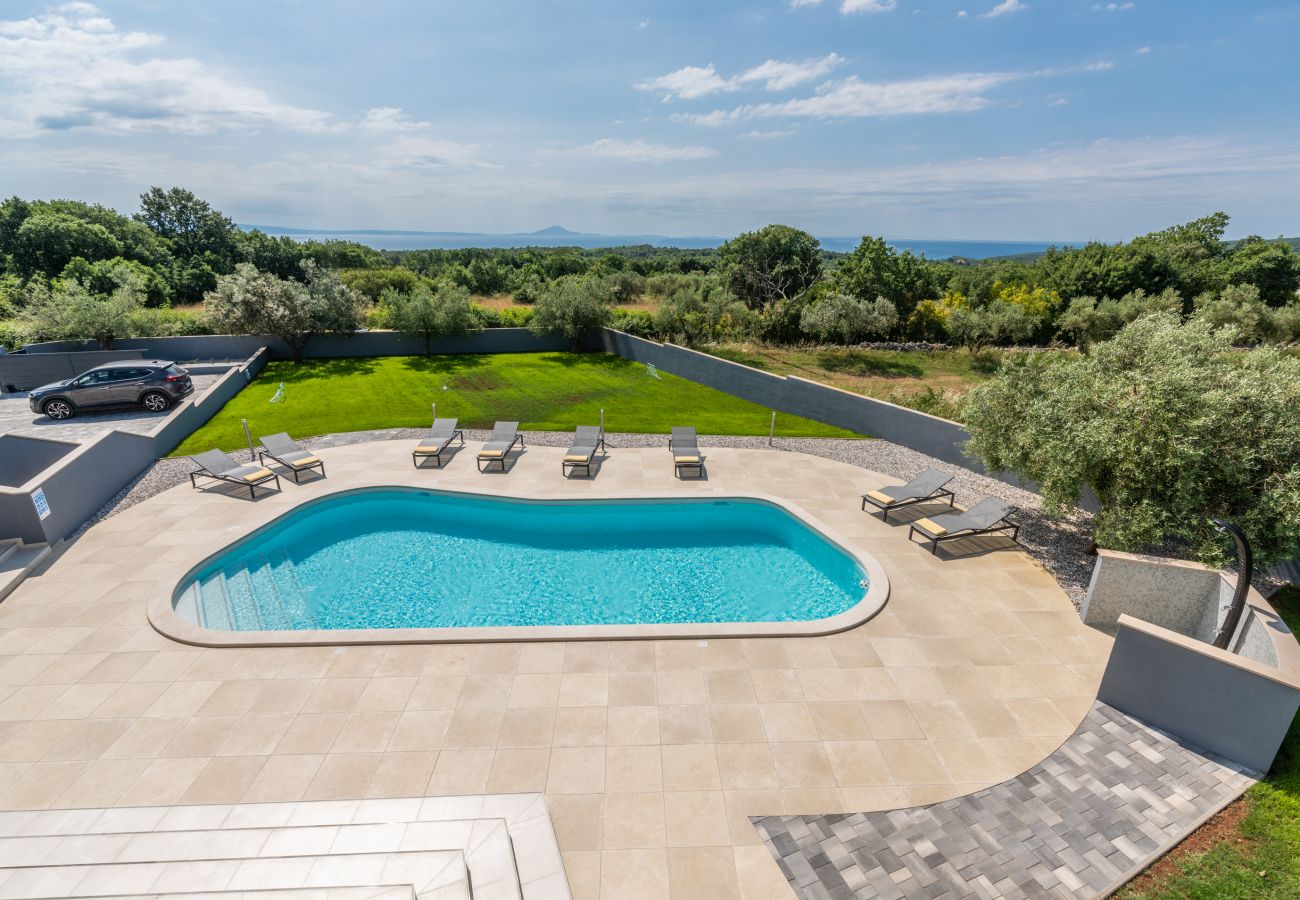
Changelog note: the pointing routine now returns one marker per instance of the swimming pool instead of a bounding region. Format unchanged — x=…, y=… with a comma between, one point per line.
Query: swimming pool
x=400, y=558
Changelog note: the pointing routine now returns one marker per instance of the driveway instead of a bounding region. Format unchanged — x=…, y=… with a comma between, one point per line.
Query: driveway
x=16, y=417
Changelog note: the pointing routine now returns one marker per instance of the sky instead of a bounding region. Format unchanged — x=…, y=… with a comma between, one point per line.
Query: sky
x=1043, y=120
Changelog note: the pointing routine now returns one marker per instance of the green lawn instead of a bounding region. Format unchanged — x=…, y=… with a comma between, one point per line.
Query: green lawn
x=544, y=391
x=1267, y=865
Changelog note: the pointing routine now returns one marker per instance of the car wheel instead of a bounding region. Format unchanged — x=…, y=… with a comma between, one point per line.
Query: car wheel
x=58, y=409
x=155, y=401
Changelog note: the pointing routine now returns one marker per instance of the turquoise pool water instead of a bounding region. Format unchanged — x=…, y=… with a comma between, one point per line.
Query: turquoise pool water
x=393, y=558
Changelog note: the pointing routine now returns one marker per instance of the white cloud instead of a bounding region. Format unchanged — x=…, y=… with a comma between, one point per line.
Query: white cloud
x=688, y=82
x=1112, y=7
x=798, y=4
x=1005, y=7
x=767, y=135
x=780, y=75
x=1143, y=51
x=72, y=68
x=867, y=6
x=644, y=23
x=853, y=98
x=692, y=82
x=642, y=151
x=961, y=13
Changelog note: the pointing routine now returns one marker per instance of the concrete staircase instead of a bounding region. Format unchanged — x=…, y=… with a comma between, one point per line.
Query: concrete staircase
x=484, y=847
x=17, y=560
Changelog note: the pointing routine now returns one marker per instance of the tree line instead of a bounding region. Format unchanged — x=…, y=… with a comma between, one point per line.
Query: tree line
x=69, y=269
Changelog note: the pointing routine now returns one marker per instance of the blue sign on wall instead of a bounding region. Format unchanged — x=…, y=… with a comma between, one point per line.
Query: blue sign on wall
x=42, y=505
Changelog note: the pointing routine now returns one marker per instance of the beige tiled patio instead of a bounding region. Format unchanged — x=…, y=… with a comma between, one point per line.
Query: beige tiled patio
x=651, y=754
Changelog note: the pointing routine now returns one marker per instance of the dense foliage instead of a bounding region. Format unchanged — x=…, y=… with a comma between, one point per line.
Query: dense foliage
x=774, y=285
x=1166, y=425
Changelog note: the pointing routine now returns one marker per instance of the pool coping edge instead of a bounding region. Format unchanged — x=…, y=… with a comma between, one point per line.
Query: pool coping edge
x=163, y=618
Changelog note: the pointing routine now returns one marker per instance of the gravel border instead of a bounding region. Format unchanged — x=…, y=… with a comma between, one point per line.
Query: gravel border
x=1061, y=545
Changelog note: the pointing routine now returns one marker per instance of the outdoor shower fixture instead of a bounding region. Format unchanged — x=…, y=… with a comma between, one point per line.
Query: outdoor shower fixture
x=1245, y=569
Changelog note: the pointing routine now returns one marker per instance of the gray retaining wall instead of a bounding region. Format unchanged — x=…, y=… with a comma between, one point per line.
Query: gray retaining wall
x=82, y=481
x=24, y=371
x=1202, y=695
x=918, y=431
x=324, y=346
x=21, y=457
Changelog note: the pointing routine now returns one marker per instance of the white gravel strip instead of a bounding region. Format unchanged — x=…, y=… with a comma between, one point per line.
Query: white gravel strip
x=1061, y=544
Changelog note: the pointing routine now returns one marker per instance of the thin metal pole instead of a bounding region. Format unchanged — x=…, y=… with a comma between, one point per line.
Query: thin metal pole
x=435, y=412
x=771, y=432
x=248, y=434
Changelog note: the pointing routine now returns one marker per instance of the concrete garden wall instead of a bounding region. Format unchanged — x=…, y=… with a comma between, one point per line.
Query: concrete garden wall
x=24, y=371
x=325, y=346
x=918, y=431
x=1237, y=703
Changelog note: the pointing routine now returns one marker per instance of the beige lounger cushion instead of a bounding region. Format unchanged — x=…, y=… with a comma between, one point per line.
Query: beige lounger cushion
x=880, y=497
x=576, y=457
x=427, y=450
x=686, y=459
x=930, y=526
x=258, y=475
x=305, y=461
x=491, y=454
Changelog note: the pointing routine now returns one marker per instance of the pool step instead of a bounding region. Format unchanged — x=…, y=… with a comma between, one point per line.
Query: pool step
x=244, y=612
x=292, y=595
x=267, y=596
x=485, y=847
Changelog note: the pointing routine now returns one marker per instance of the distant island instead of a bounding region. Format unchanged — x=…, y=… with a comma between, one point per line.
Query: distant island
x=559, y=236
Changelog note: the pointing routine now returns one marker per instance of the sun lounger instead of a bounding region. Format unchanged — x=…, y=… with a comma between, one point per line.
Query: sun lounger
x=504, y=437
x=929, y=485
x=221, y=466
x=986, y=517
x=443, y=432
x=686, y=452
x=284, y=450
x=586, y=441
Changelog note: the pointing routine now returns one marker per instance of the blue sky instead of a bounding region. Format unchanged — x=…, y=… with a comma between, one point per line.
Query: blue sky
x=994, y=119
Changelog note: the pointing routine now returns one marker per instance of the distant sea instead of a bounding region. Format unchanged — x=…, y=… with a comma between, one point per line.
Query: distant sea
x=555, y=237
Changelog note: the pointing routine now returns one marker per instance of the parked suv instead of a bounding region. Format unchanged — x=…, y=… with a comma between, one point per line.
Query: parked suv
x=149, y=383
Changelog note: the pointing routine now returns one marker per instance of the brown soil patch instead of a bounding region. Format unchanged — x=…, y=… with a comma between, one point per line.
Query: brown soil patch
x=1223, y=828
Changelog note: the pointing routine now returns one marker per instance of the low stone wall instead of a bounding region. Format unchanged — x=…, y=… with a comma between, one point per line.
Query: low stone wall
x=86, y=478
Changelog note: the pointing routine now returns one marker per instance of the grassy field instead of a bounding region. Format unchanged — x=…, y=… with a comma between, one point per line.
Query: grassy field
x=1263, y=859
x=544, y=391
x=931, y=382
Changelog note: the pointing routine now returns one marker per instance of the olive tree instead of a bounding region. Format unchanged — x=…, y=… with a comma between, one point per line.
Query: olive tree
x=1000, y=322
x=1166, y=425
x=571, y=307
x=251, y=302
x=847, y=319
x=429, y=312
x=67, y=309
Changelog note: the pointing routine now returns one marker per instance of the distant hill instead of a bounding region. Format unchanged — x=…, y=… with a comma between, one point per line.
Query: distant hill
x=559, y=236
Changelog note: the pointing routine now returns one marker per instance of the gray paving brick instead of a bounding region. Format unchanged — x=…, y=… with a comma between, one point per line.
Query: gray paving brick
x=1114, y=796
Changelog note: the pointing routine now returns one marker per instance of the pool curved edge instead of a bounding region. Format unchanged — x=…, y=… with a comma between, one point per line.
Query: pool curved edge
x=163, y=618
